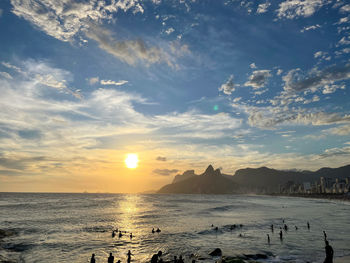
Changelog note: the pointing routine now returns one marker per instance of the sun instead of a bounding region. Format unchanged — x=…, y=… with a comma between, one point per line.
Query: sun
x=131, y=160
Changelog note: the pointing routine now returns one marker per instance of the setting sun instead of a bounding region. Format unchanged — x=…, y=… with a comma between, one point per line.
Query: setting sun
x=131, y=160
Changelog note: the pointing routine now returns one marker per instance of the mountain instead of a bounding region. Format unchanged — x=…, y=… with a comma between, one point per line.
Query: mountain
x=267, y=179
x=186, y=175
x=255, y=180
x=209, y=182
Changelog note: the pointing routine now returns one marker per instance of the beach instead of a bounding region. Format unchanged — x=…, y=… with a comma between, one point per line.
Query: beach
x=70, y=227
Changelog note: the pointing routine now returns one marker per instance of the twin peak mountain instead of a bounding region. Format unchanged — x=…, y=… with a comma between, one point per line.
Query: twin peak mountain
x=248, y=180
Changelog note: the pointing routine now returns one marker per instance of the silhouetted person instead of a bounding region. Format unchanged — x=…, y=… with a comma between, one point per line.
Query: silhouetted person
x=120, y=234
x=153, y=230
x=113, y=234
x=180, y=260
x=268, y=239
x=271, y=228
x=281, y=235
x=193, y=261
x=216, y=228
x=175, y=259
x=155, y=257
x=240, y=225
x=240, y=235
x=325, y=235
x=92, y=260
x=212, y=225
x=308, y=225
x=285, y=227
x=296, y=228
x=110, y=258
x=283, y=221
x=158, y=230
x=130, y=235
x=129, y=256
x=329, y=253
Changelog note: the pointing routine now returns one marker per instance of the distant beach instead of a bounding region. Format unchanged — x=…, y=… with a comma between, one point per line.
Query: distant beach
x=342, y=197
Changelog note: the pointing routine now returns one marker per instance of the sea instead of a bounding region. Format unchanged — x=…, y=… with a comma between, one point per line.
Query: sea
x=70, y=227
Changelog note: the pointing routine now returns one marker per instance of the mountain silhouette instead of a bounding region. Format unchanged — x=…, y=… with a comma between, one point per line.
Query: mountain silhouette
x=209, y=182
x=255, y=180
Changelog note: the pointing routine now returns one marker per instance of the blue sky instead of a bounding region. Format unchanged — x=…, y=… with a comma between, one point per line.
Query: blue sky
x=181, y=83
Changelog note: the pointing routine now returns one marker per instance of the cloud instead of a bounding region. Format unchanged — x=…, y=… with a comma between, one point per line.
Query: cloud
x=128, y=51
x=341, y=130
x=5, y=75
x=262, y=8
x=307, y=28
x=169, y=30
x=112, y=82
x=94, y=80
x=345, y=8
x=296, y=81
x=258, y=79
x=162, y=159
x=328, y=89
x=64, y=20
x=291, y=9
x=252, y=65
x=165, y=172
x=228, y=87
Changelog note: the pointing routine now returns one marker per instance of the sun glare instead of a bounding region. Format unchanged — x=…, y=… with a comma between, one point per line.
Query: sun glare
x=131, y=160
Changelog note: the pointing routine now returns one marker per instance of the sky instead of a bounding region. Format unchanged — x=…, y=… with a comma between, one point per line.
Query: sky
x=181, y=83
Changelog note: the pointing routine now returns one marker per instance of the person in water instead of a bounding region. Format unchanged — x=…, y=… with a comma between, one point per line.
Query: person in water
x=271, y=228
x=296, y=228
x=153, y=230
x=325, y=235
x=120, y=234
x=110, y=258
x=175, y=259
x=308, y=225
x=268, y=239
x=92, y=260
x=329, y=253
x=155, y=257
x=129, y=256
x=158, y=230
x=281, y=235
x=180, y=260
x=113, y=233
x=130, y=235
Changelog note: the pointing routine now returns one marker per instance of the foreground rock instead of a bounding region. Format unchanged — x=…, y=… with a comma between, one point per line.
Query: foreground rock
x=216, y=252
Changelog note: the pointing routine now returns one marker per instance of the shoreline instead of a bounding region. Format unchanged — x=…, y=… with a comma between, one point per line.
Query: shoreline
x=341, y=197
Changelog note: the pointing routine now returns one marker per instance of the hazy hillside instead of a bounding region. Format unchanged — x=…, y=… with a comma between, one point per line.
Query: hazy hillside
x=256, y=180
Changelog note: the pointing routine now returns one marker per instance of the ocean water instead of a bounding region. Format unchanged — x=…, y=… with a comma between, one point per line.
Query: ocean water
x=70, y=227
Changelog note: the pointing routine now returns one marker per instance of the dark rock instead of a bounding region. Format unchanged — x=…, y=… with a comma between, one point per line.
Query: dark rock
x=216, y=252
x=256, y=256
